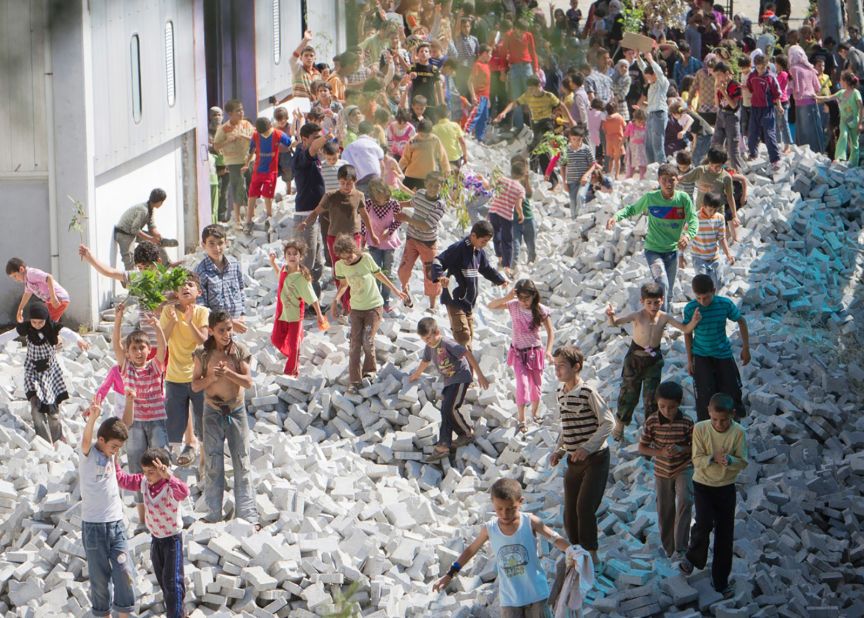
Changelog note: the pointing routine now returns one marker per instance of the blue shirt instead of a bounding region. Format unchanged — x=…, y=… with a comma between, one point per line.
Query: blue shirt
x=521, y=580
x=709, y=337
x=222, y=289
x=682, y=70
x=449, y=359
x=465, y=263
x=308, y=180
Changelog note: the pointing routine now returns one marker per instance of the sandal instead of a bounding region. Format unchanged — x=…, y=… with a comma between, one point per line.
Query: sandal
x=187, y=455
x=468, y=438
x=522, y=426
x=618, y=432
x=438, y=454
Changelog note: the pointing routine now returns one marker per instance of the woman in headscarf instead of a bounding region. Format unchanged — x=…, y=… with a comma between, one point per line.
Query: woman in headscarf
x=805, y=87
x=703, y=92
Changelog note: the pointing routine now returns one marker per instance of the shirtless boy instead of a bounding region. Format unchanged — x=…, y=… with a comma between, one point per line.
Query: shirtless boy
x=222, y=372
x=644, y=360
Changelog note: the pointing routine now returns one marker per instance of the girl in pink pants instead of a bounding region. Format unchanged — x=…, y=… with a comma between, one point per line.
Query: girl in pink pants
x=526, y=355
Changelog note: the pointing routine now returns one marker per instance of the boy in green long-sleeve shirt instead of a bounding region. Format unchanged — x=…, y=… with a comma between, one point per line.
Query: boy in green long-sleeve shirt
x=719, y=455
x=668, y=211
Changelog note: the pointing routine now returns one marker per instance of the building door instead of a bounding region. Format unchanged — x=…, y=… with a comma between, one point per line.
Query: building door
x=229, y=42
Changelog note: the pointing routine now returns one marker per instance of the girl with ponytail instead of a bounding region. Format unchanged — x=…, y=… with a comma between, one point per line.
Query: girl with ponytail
x=527, y=355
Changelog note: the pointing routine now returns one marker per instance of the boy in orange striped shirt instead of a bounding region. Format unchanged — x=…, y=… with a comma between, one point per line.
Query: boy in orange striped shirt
x=710, y=236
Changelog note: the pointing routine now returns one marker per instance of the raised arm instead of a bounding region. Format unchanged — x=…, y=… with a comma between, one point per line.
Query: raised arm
x=117, y=336
x=104, y=270
x=501, y=303
x=87, y=434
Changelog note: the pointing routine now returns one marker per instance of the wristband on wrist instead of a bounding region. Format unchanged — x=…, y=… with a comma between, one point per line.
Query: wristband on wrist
x=454, y=569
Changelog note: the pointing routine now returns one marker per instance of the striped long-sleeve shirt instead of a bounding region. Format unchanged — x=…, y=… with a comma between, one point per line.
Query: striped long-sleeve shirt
x=586, y=420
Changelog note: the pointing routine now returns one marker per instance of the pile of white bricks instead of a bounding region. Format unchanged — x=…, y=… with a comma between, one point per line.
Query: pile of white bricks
x=345, y=495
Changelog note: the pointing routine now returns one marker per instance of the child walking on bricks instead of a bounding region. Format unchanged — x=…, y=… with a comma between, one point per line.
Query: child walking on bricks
x=643, y=363
x=455, y=363
x=526, y=354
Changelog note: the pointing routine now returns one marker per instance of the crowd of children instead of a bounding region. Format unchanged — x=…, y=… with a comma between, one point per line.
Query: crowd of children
x=382, y=145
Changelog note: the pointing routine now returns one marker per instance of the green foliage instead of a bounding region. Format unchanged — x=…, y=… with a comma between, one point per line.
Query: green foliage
x=149, y=287
x=552, y=145
x=454, y=195
x=345, y=607
x=400, y=195
x=633, y=14
x=79, y=218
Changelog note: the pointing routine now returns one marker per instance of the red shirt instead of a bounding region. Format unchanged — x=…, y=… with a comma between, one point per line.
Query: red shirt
x=733, y=91
x=520, y=48
x=481, y=78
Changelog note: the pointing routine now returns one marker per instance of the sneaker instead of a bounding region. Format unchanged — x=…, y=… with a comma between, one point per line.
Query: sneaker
x=727, y=592
x=686, y=567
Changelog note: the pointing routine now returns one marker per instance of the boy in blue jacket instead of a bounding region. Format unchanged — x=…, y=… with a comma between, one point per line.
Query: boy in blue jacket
x=466, y=261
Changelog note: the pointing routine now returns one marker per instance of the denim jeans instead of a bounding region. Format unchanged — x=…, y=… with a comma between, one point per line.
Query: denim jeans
x=710, y=268
x=384, y=259
x=526, y=231
x=703, y=144
x=664, y=269
x=502, y=239
x=783, y=134
x=517, y=84
x=144, y=435
x=314, y=256
x=178, y=397
x=108, y=562
x=231, y=425
x=808, y=127
x=578, y=194
x=655, y=137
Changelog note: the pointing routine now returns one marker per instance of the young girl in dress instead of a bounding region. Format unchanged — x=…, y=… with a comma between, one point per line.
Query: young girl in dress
x=399, y=132
x=637, y=158
x=393, y=174
x=596, y=116
x=44, y=385
x=385, y=215
x=677, y=127
x=613, y=129
x=526, y=354
x=851, y=118
x=294, y=292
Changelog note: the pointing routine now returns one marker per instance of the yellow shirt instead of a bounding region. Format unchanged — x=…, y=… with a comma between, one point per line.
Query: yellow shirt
x=182, y=343
x=449, y=133
x=824, y=85
x=540, y=106
x=707, y=440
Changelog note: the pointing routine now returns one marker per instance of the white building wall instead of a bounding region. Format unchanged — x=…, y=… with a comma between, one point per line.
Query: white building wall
x=129, y=184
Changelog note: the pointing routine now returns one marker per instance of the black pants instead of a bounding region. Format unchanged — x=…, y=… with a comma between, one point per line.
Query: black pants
x=715, y=511
x=46, y=420
x=451, y=415
x=167, y=556
x=716, y=375
x=584, y=484
x=540, y=128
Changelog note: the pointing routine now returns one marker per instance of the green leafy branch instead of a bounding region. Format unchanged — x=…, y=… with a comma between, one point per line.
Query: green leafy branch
x=633, y=14
x=79, y=218
x=149, y=287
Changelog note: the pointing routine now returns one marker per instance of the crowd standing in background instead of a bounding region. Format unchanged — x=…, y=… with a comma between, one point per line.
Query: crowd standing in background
x=384, y=135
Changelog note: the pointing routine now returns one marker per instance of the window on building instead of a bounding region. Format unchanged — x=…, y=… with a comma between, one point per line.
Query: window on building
x=135, y=77
x=170, y=82
x=277, y=31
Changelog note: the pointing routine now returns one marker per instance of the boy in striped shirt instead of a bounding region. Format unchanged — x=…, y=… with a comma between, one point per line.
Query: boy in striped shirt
x=508, y=198
x=710, y=236
x=421, y=237
x=143, y=378
x=580, y=161
x=709, y=352
x=667, y=438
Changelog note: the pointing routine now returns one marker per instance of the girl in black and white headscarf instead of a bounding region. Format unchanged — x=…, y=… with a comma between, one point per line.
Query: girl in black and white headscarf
x=44, y=385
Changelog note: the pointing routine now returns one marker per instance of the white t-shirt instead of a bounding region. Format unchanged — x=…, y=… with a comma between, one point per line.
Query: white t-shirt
x=100, y=495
